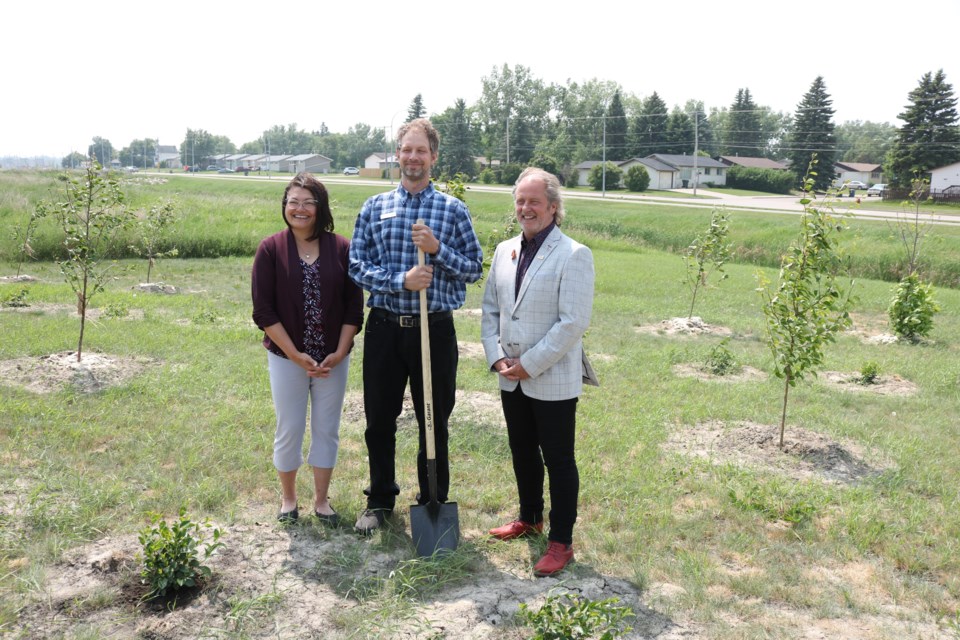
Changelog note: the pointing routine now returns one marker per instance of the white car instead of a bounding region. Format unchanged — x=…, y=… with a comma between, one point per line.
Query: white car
x=351, y=171
x=876, y=190
x=854, y=184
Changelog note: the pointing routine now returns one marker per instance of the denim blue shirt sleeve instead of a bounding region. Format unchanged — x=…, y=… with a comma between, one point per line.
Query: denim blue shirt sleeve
x=382, y=250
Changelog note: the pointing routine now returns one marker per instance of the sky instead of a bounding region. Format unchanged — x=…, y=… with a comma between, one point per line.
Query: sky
x=127, y=70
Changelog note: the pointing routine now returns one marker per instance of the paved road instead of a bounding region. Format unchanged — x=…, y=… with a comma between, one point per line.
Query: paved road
x=789, y=205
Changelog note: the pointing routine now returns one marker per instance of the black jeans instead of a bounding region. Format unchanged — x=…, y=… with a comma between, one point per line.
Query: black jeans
x=542, y=432
x=391, y=357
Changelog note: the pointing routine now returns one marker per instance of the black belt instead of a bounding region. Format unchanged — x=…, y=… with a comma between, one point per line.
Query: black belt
x=409, y=321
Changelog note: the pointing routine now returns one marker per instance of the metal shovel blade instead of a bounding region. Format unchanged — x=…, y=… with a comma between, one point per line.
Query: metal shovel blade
x=435, y=528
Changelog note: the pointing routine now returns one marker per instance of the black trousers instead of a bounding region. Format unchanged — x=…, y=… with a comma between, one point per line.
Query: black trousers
x=391, y=358
x=542, y=432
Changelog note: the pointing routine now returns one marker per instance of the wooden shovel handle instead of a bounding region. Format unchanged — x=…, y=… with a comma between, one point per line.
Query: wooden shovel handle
x=425, y=364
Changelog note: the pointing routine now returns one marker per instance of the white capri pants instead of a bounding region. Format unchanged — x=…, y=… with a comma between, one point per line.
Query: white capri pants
x=291, y=386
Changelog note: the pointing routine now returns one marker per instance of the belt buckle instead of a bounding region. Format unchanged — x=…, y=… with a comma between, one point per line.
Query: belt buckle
x=408, y=321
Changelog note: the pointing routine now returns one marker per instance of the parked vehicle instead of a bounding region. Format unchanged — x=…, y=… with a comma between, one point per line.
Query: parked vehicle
x=212, y=167
x=856, y=184
x=225, y=170
x=876, y=190
x=351, y=171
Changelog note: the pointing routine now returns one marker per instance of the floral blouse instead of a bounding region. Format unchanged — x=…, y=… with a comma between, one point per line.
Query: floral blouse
x=313, y=330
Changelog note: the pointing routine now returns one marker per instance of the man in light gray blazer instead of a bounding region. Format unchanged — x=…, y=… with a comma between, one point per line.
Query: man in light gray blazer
x=536, y=308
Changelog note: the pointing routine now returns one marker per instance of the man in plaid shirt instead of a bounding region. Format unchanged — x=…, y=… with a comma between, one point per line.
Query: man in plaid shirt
x=383, y=260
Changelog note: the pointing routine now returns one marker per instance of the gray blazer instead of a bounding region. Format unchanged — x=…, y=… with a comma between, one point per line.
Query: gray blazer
x=544, y=324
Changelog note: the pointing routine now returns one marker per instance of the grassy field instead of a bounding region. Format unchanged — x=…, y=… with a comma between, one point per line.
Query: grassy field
x=196, y=427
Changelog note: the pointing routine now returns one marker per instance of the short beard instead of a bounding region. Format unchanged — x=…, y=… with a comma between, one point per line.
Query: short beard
x=415, y=173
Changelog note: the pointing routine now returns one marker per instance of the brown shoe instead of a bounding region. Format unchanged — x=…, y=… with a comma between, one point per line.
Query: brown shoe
x=517, y=529
x=557, y=557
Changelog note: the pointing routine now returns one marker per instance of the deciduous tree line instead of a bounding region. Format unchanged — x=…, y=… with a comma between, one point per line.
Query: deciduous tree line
x=520, y=119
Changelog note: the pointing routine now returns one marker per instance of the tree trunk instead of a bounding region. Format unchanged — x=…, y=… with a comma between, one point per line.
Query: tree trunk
x=783, y=413
x=82, y=310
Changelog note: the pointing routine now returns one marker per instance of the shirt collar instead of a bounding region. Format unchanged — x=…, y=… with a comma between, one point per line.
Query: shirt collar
x=424, y=195
x=538, y=239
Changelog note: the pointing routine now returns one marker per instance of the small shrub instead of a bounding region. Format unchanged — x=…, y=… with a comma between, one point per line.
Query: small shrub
x=869, y=373
x=455, y=186
x=115, y=310
x=720, y=360
x=171, y=554
x=774, y=504
x=204, y=316
x=510, y=172
x=570, y=616
x=638, y=179
x=488, y=176
x=15, y=298
x=614, y=175
x=912, y=309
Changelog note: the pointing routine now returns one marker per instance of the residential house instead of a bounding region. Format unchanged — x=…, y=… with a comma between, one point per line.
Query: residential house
x=312, y=162
x=708, y=170
x=235, y=160
x=275, y=163
x=945, y=177
x=252, y=161
x=662, y=175
x=583, y=172
x=380, y=160
x=866, y=173
x=753, y=163
x=168, y=157
x=484, y=162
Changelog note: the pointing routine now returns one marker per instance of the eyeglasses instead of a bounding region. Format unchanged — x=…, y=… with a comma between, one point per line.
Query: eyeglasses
x=306, y=204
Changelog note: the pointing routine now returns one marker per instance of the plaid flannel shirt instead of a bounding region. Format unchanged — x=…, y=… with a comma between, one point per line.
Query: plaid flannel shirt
x=382, y=250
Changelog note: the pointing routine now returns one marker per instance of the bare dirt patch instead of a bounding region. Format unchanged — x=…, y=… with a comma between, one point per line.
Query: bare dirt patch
x=743, y=374
x=306, y=581
x=886, y=385
x=468, y=313
x=871, y=328
x=471, y=350
x=477, y=407
x=155, y=287
x=805, y=455
x=684, y=327
x=21, y=278
x=94, y=372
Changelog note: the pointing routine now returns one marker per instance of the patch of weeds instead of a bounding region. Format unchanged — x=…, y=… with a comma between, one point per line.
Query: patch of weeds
x=571, y=616
x=720, y=361
x=12, y=299
x=204, y=315
x=80, y=607
x=773, y=505
x=115, y=310
x=952, y=624
x=171, y=554
x=244, y=611
x=389, y=601
x=869, y=373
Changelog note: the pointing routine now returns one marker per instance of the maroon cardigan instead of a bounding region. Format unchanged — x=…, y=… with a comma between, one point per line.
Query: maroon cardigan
x=277, y=288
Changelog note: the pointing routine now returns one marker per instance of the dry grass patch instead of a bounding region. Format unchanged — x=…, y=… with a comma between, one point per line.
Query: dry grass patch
x=805, y=455
x=49, y=373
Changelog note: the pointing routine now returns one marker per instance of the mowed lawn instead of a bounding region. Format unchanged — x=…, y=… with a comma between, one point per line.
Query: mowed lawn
x=195, y=427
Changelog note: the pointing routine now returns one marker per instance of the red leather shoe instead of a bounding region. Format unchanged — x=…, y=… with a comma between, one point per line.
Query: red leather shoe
x=516, y=529
x=557, y=557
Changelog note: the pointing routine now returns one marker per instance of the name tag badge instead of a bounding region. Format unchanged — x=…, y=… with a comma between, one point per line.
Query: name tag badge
x=388, y=215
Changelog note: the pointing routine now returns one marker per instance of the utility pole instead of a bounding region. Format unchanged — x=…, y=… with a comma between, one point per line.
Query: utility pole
x=696, y=149
x=603, y=162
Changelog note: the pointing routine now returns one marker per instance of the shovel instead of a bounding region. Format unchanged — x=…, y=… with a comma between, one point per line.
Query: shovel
x=435, y=527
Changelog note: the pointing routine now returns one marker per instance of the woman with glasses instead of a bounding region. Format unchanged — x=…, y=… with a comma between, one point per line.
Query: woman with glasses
x=309, y=310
